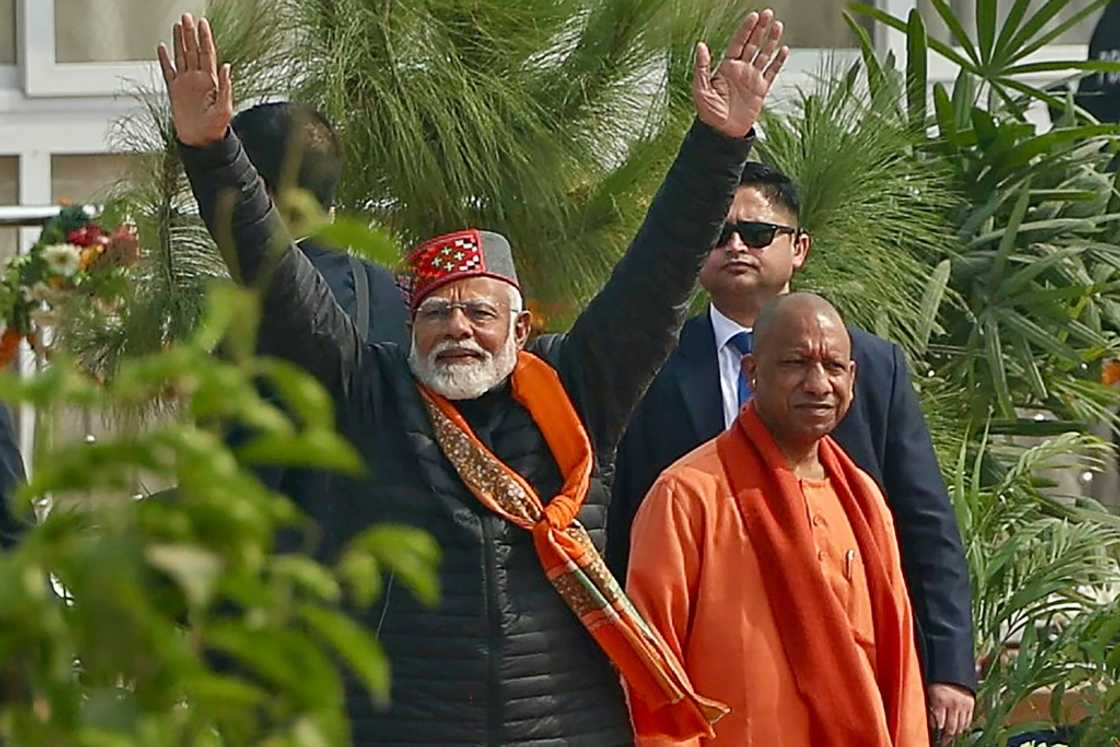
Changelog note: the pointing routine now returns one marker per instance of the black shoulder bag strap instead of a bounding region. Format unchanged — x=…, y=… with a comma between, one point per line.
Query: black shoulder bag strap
x=361, y=297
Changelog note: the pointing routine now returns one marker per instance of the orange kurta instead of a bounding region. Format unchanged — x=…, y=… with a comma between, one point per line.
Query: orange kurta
x=695, y=577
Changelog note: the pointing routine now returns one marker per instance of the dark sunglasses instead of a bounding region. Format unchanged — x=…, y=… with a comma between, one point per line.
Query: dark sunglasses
x=754, y=234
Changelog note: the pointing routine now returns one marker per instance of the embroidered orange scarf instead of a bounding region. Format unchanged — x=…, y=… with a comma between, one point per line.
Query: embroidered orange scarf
x=566, y=552
x=812, y=622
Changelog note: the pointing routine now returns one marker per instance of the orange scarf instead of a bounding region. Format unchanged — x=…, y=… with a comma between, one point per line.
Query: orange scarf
x=807, y=613
x=566, y=552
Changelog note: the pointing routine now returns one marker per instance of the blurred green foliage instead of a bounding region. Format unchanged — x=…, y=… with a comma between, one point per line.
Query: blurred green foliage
x=181, y=624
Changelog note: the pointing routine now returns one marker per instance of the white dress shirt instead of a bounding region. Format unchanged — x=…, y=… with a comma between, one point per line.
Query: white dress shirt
x=729, y=360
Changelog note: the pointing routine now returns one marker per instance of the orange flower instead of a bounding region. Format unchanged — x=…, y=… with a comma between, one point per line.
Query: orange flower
x=90, y=255
x=9, y=345
x=1111, y=373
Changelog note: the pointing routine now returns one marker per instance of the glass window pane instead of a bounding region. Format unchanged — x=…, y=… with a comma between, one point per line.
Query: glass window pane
x=86, y=178
x=9, y=195
x=966, y=12
x=823, y=28
x=7, y=32
x=114, y=30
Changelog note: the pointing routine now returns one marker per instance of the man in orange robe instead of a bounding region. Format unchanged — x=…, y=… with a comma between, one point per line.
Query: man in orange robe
x=767, y=560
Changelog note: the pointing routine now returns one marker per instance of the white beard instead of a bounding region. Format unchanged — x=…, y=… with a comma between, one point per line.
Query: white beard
x=468, y=379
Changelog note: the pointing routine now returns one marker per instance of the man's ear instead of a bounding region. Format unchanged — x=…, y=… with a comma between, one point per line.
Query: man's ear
x=802, y=245
x=522, y=326
x=750, y=365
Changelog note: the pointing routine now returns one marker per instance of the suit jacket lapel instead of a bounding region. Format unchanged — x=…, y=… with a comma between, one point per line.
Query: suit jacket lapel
x=698, y=377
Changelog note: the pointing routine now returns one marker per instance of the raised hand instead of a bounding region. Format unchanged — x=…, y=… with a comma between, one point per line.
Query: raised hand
x=730, y=100
x=201, y=95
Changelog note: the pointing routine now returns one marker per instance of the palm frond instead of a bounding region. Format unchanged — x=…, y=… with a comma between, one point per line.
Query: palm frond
x=877, y=212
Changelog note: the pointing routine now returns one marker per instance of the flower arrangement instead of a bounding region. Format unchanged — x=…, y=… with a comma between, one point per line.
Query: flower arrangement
x=75, y=256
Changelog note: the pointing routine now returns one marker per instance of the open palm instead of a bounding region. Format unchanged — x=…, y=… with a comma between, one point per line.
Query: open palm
x=730, y=100
x=201, y=94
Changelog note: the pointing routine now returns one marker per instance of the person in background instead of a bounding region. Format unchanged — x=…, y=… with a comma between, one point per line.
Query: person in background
x=702, y=387
x=293, y=145
x=768, y=560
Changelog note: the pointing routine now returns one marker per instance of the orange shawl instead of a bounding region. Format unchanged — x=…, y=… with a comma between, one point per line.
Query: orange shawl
x=804, y=608
x=566, y=552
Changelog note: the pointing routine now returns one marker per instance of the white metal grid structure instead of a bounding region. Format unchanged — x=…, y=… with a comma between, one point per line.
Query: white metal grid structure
x=50, y=108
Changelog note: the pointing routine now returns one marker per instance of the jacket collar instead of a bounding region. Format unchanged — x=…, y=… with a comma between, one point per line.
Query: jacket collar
x=698, y=377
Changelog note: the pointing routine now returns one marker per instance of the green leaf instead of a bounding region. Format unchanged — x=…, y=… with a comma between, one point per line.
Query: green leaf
x=868, y=53
x=1007, y=31
x=223, y=691
x=361, y=572
x=1053, y=225
x=354, y=644
x=308, y=575
x=941, y=48
x=1022, y=153
x=299, y=392
x=986, y=28
x=1034, y=26
x=946, y=121
x=317, y=448
x=284, y=658
x=195, y=570
x=409, y=553
x=956, y=28
x=1010, y=235
x=964, y=95
x=361, y=237
x=931, y=303
x=997, y=367
x=1034, y=375
x=916, y=75
x=1057, y=66
x=1060, y=29
x=1019, y=280
x=1037, y=336
x=986, y=130
x=228, y=307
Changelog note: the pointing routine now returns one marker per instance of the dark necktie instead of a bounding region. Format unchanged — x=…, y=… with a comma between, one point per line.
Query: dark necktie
x=741, y=342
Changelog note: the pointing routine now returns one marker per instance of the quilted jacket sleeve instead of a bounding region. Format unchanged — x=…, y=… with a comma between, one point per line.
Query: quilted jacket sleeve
x=629, y=329
x=301, y=321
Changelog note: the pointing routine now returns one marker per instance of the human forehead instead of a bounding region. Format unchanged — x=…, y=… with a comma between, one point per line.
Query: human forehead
x=472, y=289
x=751, y=204
x=814, y=335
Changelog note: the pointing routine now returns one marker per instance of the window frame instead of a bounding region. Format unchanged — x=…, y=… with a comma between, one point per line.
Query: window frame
x=44, y=76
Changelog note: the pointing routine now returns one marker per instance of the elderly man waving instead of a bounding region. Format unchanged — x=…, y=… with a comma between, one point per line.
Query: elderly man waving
x=492, y=446
x=767, y=559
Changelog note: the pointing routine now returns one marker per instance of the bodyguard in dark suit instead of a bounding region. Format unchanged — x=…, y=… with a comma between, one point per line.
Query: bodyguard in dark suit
x=701, y=388
x=291, y=143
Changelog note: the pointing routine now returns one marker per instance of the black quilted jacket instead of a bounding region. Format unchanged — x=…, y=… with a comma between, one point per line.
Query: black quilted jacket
x=501, y=660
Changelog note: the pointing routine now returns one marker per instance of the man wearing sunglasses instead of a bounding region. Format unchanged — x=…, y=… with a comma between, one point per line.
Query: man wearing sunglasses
x=702, y=387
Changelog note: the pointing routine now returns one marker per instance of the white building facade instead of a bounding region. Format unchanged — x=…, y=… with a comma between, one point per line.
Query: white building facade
x=65, y=67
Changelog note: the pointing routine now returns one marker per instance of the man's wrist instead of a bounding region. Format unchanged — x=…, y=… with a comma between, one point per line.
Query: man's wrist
x=218, y=152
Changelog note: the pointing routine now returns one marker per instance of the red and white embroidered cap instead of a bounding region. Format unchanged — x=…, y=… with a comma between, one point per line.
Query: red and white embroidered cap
x=470, y=253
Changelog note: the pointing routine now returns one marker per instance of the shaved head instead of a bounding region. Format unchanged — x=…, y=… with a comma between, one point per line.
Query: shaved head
x=801, y=370
x=776, y=314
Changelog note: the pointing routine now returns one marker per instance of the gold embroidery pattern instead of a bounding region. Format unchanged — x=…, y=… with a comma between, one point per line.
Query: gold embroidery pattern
x=575, y=591
x=479, y=470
